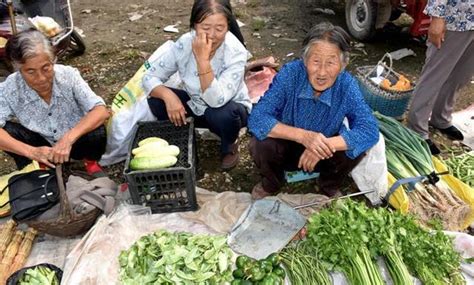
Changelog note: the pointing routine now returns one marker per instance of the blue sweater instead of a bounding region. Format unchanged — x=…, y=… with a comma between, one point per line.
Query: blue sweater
x=290, y=100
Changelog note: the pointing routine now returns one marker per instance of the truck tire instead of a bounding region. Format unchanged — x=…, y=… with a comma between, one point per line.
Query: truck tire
x=360, y=18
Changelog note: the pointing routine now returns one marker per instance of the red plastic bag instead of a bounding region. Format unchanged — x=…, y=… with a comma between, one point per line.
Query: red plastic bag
x=259, y=76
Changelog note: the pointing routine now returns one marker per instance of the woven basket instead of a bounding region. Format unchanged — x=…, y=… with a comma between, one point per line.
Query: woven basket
x=389, y=103
x=67, y=223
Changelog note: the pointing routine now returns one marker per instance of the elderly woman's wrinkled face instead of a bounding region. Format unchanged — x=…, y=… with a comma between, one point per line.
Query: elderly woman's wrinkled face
x=38, y=72
x=215, y=27
x=323, y=64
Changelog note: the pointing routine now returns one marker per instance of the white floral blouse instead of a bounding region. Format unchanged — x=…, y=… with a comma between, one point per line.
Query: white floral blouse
x=228, y=65
x=72, y=98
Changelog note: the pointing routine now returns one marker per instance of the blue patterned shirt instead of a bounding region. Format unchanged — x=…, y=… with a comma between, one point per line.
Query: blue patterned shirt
x=458, y=14
x=290, y=100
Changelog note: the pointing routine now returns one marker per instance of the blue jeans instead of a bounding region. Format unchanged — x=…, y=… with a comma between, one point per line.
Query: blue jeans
x=225, y=121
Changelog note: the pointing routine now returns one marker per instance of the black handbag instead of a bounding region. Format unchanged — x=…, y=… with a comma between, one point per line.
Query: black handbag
x=32, y=193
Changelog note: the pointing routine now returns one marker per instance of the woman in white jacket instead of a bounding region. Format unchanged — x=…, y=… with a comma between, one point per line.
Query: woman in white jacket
x=210, y=60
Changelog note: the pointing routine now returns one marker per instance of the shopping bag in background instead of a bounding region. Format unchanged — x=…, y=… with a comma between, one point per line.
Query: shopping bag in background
x=258, y=76
x=129, y=107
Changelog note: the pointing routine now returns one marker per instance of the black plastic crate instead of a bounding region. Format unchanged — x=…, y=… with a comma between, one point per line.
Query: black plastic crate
x=171, y=189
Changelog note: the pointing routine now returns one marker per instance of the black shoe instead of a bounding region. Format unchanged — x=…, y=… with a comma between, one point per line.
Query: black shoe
x=452, y=133
x=433, y=148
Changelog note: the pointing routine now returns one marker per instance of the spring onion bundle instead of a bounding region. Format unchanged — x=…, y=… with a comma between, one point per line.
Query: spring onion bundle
x=408, y=156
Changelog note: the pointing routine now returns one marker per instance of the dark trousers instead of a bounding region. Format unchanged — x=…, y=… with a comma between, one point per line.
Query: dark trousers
x=225, y=121
x=90, y=146
x=274, y=156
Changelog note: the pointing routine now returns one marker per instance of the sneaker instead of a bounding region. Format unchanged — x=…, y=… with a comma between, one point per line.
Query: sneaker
x=93, y=168
x=259, y=193
x=452, y=133
x=231, y=159
x=433, y=148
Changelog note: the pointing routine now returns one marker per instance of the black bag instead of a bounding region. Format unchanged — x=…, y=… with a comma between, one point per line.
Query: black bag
x=32, y=193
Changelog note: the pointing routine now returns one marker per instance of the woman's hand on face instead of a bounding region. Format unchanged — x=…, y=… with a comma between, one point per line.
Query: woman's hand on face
x=176, y=111
x=308, y=161
x=202, y=47
x=61, y=151
x=318, y=144
x=42, y=154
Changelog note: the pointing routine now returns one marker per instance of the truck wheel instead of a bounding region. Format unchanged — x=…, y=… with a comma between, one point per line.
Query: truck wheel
x=360, y=18
x=76, y=44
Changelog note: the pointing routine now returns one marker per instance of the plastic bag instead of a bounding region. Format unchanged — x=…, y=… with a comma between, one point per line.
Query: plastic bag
x=399, y=198
x=464, y=244
x=100, y=247
x=371, y=172
x=461, y=189
x=120, y=131
x=129, y=107
x=258, y=77
x=46, y=25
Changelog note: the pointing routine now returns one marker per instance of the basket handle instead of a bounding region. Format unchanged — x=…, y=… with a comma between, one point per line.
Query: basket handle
x=381, y=62
x=64, y=208
x=387, y=55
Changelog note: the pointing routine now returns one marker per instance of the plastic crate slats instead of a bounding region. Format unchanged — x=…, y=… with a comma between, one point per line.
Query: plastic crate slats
x=171, y=189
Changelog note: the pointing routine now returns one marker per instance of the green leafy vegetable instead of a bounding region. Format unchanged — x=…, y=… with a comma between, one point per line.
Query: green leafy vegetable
x=39, y=275
x=176, y=258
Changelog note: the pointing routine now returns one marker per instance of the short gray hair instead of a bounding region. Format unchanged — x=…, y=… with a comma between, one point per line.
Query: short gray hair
x=327, y=32
x=27, y=44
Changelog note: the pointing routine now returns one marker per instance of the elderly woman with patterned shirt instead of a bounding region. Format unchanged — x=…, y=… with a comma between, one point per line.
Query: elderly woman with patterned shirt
x=210, y=60
x=57, y=115
x=299, y=122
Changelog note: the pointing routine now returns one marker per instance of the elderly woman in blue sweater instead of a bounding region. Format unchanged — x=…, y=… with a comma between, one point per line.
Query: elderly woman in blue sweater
x=300, y=121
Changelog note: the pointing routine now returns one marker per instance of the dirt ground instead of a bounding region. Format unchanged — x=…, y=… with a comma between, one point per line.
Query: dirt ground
x=117, y=46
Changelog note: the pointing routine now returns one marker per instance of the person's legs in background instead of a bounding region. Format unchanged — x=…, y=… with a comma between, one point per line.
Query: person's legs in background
x=226, y=122
x=441, y=117
x=439, y=64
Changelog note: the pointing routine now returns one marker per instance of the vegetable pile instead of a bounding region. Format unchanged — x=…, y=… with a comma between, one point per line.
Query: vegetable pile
x=176, y=258
x=408, y=156
x=349, y=237
x=304, y=267
x=462, y=166
x=154, y=153
x=39, y=275
x=263, y=272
